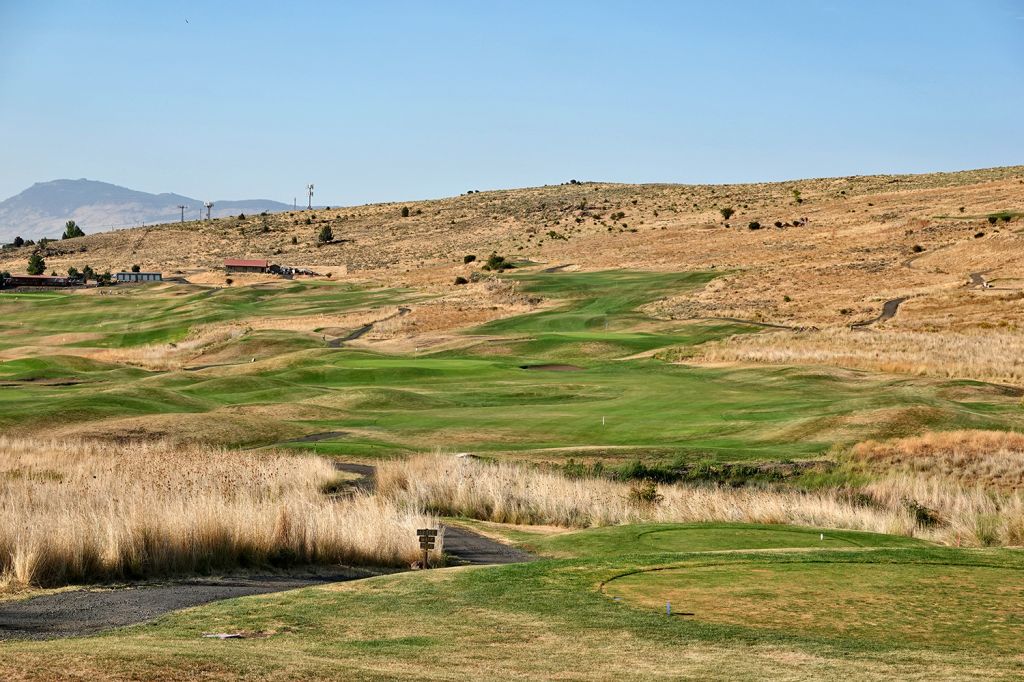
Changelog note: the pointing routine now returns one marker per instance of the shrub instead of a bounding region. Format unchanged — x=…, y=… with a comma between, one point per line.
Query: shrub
x=924, y=516
x=726, y=212
x=241, y=216
x=36, y=265
x=405, y=211
x=326, y=235
x=644, y=494
x=754, y=225
x=497, y=263
x=295, y=240
x=229, y=281
x=978, y=235
x=461, y=280
x=917, y=248
x=468, y=258
x=992, y=220
x=136, y=268
x=778, y=223
x=73, y=272
x=18, y=242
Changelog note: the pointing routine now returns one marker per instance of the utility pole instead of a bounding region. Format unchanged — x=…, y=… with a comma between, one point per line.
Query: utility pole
x=182, y=207
x=309, y=188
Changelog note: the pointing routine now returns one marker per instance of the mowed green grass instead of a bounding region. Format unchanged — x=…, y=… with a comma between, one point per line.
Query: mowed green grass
x=480, y=398
x=133, y=316
x=864, y=612
x=697, y=537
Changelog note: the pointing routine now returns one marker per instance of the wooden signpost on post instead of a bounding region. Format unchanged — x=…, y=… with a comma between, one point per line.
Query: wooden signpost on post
x=428, y=536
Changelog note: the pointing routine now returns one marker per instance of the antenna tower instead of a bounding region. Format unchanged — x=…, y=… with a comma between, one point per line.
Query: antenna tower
x=309, y=188
x=208, y=205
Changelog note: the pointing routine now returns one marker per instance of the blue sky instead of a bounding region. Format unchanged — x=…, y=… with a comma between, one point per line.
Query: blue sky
x=378, y=101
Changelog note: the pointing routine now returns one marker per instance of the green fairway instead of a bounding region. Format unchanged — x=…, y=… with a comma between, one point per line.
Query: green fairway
x=701, y=537
x=125, y=317
x=478, y=398
x=857, y=613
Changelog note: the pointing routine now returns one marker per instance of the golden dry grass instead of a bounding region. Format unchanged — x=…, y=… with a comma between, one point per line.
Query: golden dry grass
x=993, y=459
x=987, y=355
x=79, y=511
x=508, y=492
x=902, y=503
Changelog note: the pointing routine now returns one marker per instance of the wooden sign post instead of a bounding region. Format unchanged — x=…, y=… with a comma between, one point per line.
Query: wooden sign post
x=427, y=538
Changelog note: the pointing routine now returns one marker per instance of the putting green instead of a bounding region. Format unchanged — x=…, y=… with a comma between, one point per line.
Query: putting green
x=930, y=604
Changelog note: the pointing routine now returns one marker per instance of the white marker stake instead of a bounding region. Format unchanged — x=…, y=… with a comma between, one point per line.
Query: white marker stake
x=668, y=608
x=602, y=421
x=822, y=536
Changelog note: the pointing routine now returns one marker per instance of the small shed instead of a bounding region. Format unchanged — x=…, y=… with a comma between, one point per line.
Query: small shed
x=242, y=265
x=139, y=277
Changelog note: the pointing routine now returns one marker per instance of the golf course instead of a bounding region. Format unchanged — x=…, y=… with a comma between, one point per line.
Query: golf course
x=668, y=454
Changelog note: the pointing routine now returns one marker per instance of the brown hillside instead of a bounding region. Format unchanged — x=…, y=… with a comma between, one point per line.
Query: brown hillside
x=865, y=240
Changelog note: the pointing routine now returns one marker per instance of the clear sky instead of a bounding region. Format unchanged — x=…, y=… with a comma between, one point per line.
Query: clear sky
x=378, y=101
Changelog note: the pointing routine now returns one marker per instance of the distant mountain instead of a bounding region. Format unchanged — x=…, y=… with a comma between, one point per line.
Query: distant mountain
x=42, y=209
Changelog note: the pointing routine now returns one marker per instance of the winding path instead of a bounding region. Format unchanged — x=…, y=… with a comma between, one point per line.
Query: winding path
x=91, y=610
x=889, y=309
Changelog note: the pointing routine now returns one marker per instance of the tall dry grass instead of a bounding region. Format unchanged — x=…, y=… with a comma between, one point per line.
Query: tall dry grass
x=968, y=484
x=514, y=493
x=85, y=511
x=928, y=507
x=992, y=459
x=985, y=355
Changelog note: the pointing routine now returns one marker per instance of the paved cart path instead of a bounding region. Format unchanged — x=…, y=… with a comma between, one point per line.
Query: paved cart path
x=889, y=309
x=89, y=611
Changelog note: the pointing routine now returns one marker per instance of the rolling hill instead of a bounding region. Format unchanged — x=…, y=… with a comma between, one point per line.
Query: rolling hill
x=42, y=209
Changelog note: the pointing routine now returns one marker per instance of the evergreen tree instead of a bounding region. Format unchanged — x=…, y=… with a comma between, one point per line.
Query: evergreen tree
x=36, y=264
x=72, y=230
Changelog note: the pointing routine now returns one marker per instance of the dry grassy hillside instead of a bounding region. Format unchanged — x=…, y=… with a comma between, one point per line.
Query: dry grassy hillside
x=845, y=246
